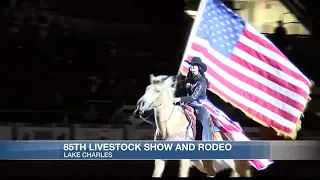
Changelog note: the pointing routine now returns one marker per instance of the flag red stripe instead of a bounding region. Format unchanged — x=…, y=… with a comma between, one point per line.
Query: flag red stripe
x=269, y=61
x=258, y=164
x=251, y=111
x=229, y=126
x=266, y=59
x=271, y=77
x=247, y=79
x=264, y=43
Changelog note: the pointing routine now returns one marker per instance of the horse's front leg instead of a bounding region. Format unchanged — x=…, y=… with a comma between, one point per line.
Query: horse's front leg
x=159, y=166
x=156, y=135
x=184, y=168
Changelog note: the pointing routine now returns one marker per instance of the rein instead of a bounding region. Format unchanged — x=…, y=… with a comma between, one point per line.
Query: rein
x=159, y=106
x=145, y=118
x=169, y=116
x=179, y=136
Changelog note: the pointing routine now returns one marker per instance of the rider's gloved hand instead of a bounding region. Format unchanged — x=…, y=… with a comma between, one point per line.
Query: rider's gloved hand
x=176, y=100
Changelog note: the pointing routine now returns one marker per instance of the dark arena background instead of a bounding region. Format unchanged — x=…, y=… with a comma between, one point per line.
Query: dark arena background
x=75, y=69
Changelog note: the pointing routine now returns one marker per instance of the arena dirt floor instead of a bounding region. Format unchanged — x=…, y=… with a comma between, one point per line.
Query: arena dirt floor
x=102, y=169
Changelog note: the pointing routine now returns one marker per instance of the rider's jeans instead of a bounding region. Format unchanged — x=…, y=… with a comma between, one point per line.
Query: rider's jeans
x=202, y=116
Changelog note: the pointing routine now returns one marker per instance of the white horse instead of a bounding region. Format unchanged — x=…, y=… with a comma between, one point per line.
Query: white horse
x=172, y=123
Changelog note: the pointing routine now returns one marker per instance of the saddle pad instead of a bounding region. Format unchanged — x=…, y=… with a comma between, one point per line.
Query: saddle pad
x=192, y=119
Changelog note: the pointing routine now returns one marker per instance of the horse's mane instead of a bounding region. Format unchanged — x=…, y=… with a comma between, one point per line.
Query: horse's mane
x=158, y=79
x=166, y=82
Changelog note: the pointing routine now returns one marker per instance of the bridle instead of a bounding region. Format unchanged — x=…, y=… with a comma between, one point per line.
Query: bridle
x=152, y=106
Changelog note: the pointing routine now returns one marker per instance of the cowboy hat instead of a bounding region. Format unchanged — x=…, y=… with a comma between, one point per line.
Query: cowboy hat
x=198, y=62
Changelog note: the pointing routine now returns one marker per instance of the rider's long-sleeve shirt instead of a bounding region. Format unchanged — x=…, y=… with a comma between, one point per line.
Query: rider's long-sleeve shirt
x=196, y=91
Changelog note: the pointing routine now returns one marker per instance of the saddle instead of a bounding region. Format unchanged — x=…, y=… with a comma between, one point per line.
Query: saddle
x=190, y=112
x=191, y=116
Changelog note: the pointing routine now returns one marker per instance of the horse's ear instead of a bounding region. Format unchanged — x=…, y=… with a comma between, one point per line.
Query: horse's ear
x=151, y=77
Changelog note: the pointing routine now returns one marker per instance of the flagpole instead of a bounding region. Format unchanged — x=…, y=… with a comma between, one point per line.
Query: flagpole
x=194, y=27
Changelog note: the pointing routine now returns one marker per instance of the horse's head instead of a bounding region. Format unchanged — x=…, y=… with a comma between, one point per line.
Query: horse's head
x=160, y=88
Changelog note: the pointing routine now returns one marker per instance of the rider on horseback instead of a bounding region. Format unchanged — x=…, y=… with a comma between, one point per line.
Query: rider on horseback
x=196, y=85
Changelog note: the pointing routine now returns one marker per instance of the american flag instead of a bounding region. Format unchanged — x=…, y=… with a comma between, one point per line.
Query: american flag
x=246, y=69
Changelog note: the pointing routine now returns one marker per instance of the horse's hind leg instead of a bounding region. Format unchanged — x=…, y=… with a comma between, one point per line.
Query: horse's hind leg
x=234, y=173
x=199, y=165
x=247, y=173
x=243, y=168
x=233, y=167
x=208, y=166
x=159, y=166
x=184, y=168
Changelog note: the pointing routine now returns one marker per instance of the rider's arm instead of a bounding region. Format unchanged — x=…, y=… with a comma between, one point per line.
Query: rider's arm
x=200, y=87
